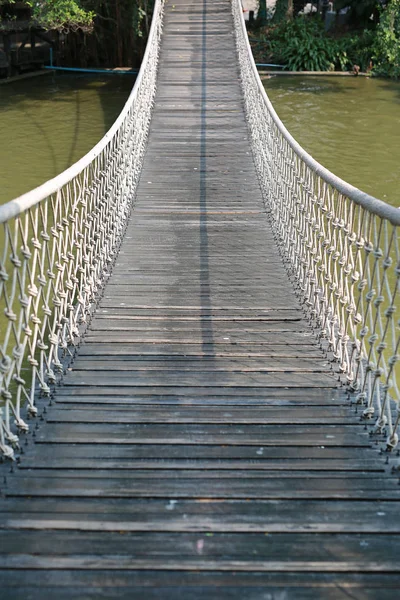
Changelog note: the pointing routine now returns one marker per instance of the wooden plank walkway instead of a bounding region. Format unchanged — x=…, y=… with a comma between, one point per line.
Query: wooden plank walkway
x=200, y=446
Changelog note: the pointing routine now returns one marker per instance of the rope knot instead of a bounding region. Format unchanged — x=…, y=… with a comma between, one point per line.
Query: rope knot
x=369, y=295
x=361, y=397
x=36, y=244
x=387, y=262
x=5, y=364
x=389, y=312
x=15, y=261
x=368, y=413
x=10, y=314
x=381, y=423
x=22, y=426
x=392, y=442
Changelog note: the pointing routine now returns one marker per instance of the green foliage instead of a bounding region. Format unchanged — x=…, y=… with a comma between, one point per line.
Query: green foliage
x=386, y=49
x=359, y=48
x=61, y=14
x=303, y=45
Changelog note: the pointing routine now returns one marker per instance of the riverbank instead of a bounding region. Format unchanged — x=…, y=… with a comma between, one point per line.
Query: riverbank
x=30, y=75
x=267, y=73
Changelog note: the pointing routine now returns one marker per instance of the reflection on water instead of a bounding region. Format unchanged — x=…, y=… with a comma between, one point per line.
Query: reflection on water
x=349, y=124
x=49, y=122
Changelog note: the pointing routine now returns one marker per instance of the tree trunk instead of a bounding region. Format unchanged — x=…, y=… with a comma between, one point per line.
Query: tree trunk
x=119, y=38
x=283, y=10
x=262, y=13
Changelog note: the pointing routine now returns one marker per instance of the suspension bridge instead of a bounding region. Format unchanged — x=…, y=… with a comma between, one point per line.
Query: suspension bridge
x=198, y=353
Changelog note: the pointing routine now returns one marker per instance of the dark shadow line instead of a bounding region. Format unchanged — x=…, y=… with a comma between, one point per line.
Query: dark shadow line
x=76, y=130
x=46, y=137
x=205, y=292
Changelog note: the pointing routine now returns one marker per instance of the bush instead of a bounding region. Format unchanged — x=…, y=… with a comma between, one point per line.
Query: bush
x=359, y=48
x=303, y=45
x=386, y=49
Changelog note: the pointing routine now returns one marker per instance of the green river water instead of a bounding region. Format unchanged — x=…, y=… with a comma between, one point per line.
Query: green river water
x=47, y=123
x=349, y=124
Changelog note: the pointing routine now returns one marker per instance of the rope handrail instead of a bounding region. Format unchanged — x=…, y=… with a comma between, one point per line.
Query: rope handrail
x=57, y=244
x=375, y=205
x=341, y=248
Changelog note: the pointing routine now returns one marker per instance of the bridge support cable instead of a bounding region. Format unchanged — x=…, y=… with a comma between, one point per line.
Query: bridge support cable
x=57, y=244
x=341, y=248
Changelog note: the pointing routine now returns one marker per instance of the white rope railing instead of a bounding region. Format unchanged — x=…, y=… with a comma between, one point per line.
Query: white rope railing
x=57, y=243
x=341, y=247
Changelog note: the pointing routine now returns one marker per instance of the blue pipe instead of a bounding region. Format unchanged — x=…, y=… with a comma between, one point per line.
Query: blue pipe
x=270, y=65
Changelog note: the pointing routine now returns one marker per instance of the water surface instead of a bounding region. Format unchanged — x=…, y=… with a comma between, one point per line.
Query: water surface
x=351, y=125
x=49, y=122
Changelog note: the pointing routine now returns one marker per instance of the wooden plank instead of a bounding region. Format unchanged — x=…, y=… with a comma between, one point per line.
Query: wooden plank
x=29, y=588
x=201, y=349
x=203, y=336
x=283, y=547
x=210, y=452
x=185, y=364
x=190, y=392
x=65, y=397
x=213, y=515
x=72, y=414
x=182, y=379
x=309, y=466
x=262, y=435
x=206, y=472
x=372, y=488
x=132, y=563
x=158, y=584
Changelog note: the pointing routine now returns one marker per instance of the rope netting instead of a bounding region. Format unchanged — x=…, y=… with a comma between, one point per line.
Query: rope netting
x=341, y=248
x=57, y=244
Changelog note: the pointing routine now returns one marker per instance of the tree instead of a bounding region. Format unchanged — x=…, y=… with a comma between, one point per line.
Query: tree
x=387, y=42
x=262, y=13
x=63, y=15
x=283, y=10
x=100, y=32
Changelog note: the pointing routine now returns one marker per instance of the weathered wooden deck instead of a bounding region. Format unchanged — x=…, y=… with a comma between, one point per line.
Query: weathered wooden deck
x=200, y=446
